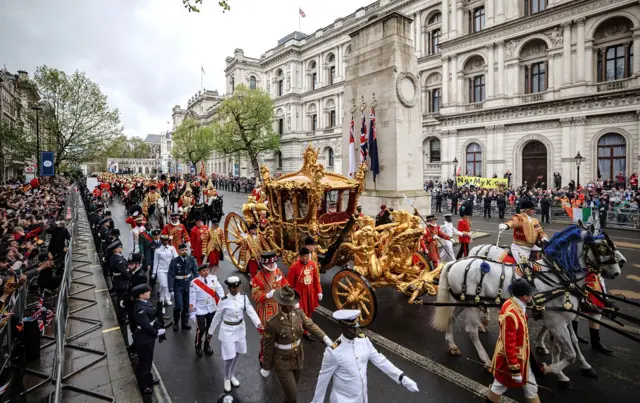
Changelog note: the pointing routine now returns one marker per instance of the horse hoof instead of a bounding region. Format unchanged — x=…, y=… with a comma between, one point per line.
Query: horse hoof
x=542, y=350
x=589, y=373
x=566, y=385
x=455, y=352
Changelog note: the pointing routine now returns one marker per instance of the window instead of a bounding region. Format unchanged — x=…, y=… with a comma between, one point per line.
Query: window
x=534, y=6
x=436, y=18
x=435, y=101
x=233, y=84
x=476, y=23
x=434, y=33
x=435, y=41
x=615, y=62
x=612, y=156
x=332, y=74
x=332, y=119
x=474, y=160
x=281, y=126
x=535, y=78
x=252, y=83
x=280, y=88
x=314, y=78
x=278, y=158
x=330, y=159
x=314, y=122
x=476, y=89
x=434, y=150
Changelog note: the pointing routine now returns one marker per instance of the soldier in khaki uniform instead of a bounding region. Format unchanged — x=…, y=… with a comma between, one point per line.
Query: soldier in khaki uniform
x=282, y=344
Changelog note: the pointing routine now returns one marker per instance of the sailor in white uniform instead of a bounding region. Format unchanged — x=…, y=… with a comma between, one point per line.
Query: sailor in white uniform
x=232, y=335
x=205, y=292
x=446, y=254
x=161, y=259
x=346, y=361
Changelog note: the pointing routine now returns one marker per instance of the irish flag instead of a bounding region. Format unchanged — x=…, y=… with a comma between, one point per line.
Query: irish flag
x=583, y=214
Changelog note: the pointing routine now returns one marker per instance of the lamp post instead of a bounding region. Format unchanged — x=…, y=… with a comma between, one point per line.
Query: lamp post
x=578, y=158
x=455, y=171
x=37, y=108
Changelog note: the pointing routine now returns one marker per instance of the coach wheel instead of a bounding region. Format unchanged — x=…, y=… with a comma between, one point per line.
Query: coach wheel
x=234, y=229
x=351, y=291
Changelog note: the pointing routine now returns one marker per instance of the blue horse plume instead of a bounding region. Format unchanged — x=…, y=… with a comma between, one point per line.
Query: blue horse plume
x=563, y=248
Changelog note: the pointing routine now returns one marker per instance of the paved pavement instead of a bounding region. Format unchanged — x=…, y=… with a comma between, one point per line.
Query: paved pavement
x=403, y=334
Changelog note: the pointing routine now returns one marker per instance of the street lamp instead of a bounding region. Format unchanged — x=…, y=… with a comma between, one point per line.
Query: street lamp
x=37, y=108
x=455, y=170
x=578, y=158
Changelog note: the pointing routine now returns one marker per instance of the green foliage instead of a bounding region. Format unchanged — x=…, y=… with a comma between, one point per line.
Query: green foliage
x=123, y=147
x=191, y=5
x=246, y=125
x=14, y=142
x=192, y=142
x=76, y=114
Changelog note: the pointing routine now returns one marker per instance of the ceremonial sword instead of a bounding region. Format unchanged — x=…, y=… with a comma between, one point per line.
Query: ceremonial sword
x=507, y=373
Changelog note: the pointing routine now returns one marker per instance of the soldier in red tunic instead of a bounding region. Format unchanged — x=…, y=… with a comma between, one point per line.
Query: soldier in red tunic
x=510, y=366
x=97, y=192
x=595, y=282
x=176, y=231
x=199, y=240
x=263, y=286
x=303, y=277
x=429, y=241
x=216, y=244
x=464, y=226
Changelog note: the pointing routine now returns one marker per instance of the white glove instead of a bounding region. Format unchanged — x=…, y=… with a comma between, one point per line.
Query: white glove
x=409, y=384
x=270, y=294
x=264, y=372
x=319, y=296
x=192, y=317
x=517, y=378
x=161, y=332
x=545, y=239
x=327, y=341
x=297, y=305
x=503, y=227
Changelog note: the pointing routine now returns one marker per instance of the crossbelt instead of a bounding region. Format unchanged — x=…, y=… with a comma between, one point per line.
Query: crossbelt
x=288, y=346
x=232, y=323
x=183, y=277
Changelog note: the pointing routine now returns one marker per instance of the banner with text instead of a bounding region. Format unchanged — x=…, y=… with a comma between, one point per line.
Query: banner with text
x=484, y=183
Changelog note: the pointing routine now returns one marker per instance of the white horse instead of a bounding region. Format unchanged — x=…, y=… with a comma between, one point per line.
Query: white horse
x=481, y=277
x=156, y=218
x=106, y=198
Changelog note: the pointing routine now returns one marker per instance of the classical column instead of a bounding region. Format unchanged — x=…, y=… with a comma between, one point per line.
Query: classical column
x=491, y=150
x=453, y=142
x=454, y=20
x=567, y=157
x=550, y=75
x=424, y=104
x=460, y=91
x=499, y=12
x=459, y=15
x=566, y=53
x=636, y=51
x=499, y=155
x=418, y=35
x=453, y=67
x=445, y=80
x=488, y=7
x=501, y=78
x=580, y=47
x=413, y=29
x=319, y=72
x=509, y=78
x=338, y=63
x=578, y=135
x=491, y=82
x=445, y=19
x=589, y=62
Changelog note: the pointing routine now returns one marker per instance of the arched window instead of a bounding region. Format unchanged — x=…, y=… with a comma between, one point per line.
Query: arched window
x=252, y=83
x=313, y=73
x=474, y=72
x=278, y=159
x=332, y=119
x=476, y=20
x=435, y=100
x=434, y=32
x=474, y=160
x=331, y=69
x=312, y=113
x=280, y=82
x=434, y=150
x=534, y=6
x=612, y=156
x=314, y=122
x=613, y=42
x=281, y=126
x=329, y=155
x=534, y=66
x=434, y=97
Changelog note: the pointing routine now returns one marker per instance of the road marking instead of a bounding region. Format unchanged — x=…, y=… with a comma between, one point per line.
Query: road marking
x=626, y=294
x=627, y=245
x=424, y=362
x=102, y=290
x=633, y=277
x=111, y=330
x=161, y=395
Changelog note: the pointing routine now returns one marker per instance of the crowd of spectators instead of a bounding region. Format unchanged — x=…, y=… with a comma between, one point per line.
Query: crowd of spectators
x=233, y=183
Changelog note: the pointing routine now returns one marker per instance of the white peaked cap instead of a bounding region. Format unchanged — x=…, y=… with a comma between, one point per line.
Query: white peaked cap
x=346, y=314
x=233, y=279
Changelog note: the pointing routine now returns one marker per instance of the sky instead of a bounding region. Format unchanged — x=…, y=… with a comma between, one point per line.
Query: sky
x=146, y=55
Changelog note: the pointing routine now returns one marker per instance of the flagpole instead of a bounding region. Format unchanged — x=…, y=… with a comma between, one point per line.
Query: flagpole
x=201, y=77
x=299, y=20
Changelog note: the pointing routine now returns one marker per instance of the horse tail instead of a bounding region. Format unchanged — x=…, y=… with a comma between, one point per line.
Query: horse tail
x=442, y=316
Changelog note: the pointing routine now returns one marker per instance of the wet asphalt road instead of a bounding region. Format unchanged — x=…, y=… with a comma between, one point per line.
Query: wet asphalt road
x=403, y=334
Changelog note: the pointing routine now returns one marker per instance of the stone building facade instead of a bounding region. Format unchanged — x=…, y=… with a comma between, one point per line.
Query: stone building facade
x=515, y=85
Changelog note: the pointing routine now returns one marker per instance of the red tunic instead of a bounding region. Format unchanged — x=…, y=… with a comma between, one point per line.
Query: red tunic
x=97, y=193
x=261, y=284
x=464, y=225
x=594, y=281
x=199, y=241
x=131, y=220
x=178, y=232
x=430, y=244
x=305, y=280
x=512, y=350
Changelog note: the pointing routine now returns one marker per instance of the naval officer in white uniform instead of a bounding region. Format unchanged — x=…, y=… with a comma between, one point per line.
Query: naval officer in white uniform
x=232, y=335
x=161, y=259
x=346, y=361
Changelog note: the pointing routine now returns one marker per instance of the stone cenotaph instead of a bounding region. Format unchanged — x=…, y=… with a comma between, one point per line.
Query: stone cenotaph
x=382, y=62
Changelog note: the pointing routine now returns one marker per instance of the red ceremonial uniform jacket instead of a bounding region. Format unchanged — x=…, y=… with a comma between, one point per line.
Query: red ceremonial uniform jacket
x=261, y=284
x=97, y=193
x=305, y=280
x=199, y=240
x=178, y=232
x=512, y=350
x=593, y=280
x=526, y=230
x=131, y=220
x=430, y=243
x=464, y=225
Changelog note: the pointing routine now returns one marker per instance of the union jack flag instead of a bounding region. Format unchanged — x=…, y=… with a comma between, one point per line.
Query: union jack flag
x=373, y=146
x=363, y=140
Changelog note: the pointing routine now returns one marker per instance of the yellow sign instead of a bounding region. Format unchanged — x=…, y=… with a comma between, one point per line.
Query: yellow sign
x=485, y=183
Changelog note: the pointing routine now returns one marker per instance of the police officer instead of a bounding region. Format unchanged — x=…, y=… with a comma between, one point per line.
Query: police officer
x=346, y=362
x=282, y=343
x=545, y=206
x=137, y=277
x=182, y=270
x=145, y=336
x=205, y=293
x=501, y=202
x=118, y=267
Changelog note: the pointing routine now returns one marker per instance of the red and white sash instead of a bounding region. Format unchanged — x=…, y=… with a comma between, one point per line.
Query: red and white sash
x=207, y=289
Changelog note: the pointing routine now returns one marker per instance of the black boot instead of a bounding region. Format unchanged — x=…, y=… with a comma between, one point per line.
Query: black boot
x=596, y=344
x=207, y=348
x=199, y=350
x=186, y=326
x=574, y=324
